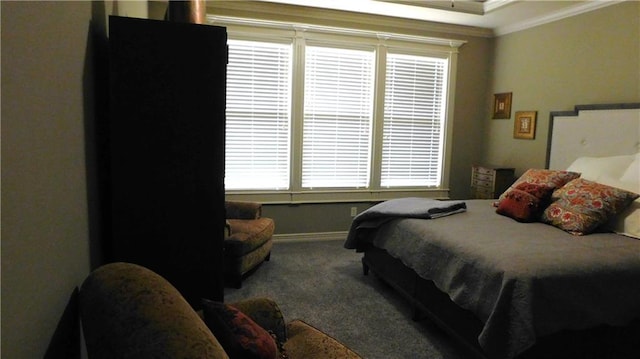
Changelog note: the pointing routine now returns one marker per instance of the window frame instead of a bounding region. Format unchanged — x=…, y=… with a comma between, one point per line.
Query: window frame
x=370, y=119
x=283, y=99
x=300, y=35
x=382, y=119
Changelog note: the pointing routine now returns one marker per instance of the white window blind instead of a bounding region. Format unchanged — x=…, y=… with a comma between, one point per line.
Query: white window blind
x=258, y=115
x=338, y=103
x=414, y=118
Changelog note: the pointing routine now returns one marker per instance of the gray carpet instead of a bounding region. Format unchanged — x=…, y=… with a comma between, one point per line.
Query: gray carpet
x=322, y=283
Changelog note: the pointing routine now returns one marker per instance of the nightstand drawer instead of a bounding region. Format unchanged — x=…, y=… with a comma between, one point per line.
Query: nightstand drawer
x=487, y=183
x=483, y=177
x=484, y=171
x=490, y=181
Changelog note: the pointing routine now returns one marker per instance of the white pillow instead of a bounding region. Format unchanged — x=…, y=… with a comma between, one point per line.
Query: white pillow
x=594, y=168
x=627, y=222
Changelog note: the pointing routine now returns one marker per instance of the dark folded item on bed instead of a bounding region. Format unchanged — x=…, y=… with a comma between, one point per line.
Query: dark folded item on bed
x=410, y=207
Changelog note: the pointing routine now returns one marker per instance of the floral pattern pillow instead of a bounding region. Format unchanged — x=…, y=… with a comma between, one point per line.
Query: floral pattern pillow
x=542, y=177
x=583, y=205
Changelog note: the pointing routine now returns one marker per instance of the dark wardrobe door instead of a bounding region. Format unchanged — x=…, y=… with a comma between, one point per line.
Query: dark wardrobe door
x=166, y=140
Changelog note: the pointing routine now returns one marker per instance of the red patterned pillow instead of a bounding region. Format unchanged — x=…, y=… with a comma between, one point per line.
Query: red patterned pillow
x=550, y=178
x=583, y=205
x=238, y=334
x=525, y=202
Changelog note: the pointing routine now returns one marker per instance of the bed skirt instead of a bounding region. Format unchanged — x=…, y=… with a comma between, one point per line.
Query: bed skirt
x=603, y=342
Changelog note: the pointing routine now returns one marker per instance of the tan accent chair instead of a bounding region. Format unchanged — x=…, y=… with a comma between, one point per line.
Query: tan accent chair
x=128, y=311
x=248, y=240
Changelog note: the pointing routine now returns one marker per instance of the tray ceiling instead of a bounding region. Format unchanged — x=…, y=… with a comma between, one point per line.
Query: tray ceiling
x=500, y=16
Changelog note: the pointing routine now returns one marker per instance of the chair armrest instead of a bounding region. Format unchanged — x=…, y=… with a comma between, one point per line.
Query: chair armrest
x=306, y=341
x=128, y=311
x=243, y=210
x=266, y=313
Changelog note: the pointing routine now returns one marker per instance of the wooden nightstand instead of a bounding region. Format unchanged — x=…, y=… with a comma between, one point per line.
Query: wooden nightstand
x=490, y=181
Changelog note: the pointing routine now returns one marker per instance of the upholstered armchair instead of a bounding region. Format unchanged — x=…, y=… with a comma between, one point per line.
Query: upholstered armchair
x=128, y=311
x=248, y=240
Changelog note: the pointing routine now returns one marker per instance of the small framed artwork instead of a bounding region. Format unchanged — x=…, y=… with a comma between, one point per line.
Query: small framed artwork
x=502, y=105
x=525, y=125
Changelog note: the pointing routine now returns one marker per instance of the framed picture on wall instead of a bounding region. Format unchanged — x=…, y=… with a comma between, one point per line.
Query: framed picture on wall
x=525, y=125
x=502, y=105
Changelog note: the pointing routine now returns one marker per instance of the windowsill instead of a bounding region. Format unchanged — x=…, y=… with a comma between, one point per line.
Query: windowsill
x=337, y=196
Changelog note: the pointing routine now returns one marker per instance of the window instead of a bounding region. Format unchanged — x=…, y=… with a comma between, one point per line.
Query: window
x=414, y=108
x=335, y=115
x=338, y=113
x=258, y=115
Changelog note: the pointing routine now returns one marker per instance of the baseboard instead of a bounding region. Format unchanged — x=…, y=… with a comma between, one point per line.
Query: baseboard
x=310, y=237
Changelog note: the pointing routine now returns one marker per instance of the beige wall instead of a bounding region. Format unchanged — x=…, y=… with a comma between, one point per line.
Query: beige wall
x=590, y=58
x=47, y=99
x=45, y=247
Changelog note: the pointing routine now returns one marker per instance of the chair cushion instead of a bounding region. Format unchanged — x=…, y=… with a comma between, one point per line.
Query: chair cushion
x=247, y=235
x=243, y=210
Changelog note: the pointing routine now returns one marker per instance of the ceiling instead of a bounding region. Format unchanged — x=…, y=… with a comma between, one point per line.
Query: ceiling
x=500, y=16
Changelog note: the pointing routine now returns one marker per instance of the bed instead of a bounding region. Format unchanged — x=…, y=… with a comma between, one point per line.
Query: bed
x=508, y=288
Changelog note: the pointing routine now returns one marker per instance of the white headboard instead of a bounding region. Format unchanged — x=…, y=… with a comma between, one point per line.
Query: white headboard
x=593, y=130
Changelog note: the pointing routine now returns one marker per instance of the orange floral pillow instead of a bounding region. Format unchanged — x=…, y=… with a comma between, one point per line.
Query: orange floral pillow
x=542, y=177
x=583, y=205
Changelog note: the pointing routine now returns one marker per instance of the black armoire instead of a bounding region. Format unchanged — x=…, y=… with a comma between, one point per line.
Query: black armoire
x=167, y=84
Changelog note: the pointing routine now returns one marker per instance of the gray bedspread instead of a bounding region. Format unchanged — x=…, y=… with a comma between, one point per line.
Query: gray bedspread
x=522, y=280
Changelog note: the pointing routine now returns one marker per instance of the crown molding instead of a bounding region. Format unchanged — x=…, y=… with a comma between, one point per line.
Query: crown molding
x=380, y=37
x=263, y=10
x=559, y=15
x=267, y=10
x=469, y=7
x=492, y=5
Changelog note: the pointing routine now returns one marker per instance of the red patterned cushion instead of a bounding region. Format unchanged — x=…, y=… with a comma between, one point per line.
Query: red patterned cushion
x=238, y=334
x=525, y=202
x=583, y=205
x=550, y=178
